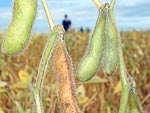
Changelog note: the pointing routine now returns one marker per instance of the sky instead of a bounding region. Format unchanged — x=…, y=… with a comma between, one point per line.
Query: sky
x=130, y=14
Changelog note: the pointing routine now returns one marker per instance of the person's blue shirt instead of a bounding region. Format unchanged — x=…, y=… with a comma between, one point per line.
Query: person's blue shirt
x=66, y=23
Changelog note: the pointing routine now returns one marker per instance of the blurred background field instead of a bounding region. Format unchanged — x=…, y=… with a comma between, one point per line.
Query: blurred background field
x=100, y=95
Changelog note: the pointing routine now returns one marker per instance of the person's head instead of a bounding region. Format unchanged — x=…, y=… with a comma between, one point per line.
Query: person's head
x=66, y=16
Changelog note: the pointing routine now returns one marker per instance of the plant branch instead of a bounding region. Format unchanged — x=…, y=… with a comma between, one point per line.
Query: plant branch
x=43, y=68
x=123, y=72
x=48, y=14
x=98, y=4
x=44, y=61
x=124, y=80
x=134, y=104
x=112, y=4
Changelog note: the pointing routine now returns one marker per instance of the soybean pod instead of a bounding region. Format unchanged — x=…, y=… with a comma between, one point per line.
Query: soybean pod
x=110, y=57
x=91, y=61
x=133, y=103
x=19, y=30
x=65, y=78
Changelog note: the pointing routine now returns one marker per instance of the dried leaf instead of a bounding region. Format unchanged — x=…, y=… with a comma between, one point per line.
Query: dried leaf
x=19, y=107
x=3, y=91
x=81, y=91
x=118, y=87
x=24, y=76
x=1, y=110
x=24, y=82
x=3, y=84
x=20, y=85
x=83, y=101
x=96, y=80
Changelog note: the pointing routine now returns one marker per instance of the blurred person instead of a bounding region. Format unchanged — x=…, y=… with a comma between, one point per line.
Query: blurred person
x=66, y=22
x=81, y=29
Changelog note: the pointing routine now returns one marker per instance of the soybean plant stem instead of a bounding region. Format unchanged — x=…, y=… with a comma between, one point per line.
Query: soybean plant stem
x=48, y=14
x=124, y=81
x=126, y=86
x=43, y=64
x=112, y=4
x=98, y=4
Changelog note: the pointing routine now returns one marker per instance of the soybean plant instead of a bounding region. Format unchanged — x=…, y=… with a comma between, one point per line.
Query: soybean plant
x=102, y=48
x=63, y=69
x=16, y=39
x=112, y=56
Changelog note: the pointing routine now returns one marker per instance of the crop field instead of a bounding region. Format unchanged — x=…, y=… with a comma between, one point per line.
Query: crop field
x=99, y=95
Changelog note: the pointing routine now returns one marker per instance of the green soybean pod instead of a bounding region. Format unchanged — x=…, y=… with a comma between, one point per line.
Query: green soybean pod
x=18, y=32
x=110, y=56
x=134, y=105
x=91, y=61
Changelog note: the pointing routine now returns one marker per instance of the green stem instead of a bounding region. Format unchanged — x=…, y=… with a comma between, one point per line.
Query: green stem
x=123, y=72
x=43, y=68
x=112, y=4
x=44, y=61
x=124, y=100
x=134, y=104
x=126, y=86
x=48, y=14
x=98, y=4
x=124, y=81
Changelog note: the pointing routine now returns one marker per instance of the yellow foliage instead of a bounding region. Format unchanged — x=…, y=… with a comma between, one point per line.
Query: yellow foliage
x=83, y=101
x=24, y=80
x=23, y=76
x=1, y=110
x=82, y=98
x=118, y=87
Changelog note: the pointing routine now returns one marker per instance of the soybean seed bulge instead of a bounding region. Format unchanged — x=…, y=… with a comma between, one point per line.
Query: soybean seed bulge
x=18, y=33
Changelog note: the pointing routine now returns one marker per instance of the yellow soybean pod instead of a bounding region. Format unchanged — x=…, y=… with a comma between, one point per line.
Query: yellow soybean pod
x=19, y=30
x=91, y=61
x=65, y=78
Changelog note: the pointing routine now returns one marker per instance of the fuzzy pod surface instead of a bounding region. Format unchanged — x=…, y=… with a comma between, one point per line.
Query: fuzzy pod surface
x=18, y=33
x=89, y=64
x=133, y=103
x=65, y=79
x=110, y=54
